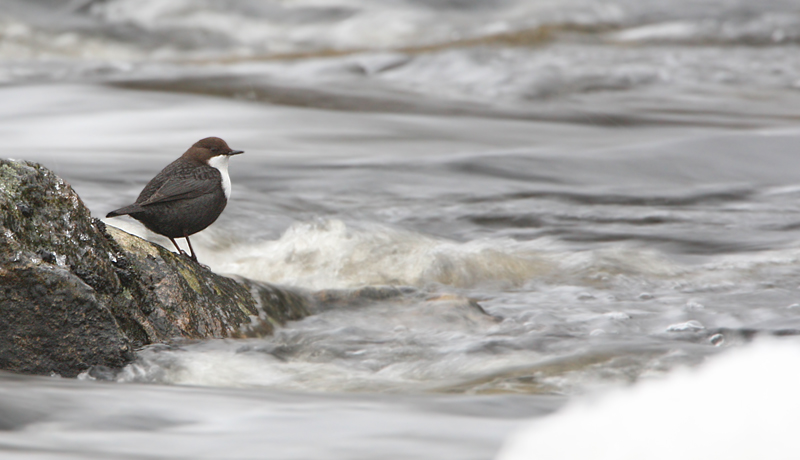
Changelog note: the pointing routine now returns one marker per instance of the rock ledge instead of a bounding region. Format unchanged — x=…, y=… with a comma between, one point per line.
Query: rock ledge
x=75, y=293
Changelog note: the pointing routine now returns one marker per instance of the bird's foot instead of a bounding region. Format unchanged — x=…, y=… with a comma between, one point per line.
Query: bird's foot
x=193, y=258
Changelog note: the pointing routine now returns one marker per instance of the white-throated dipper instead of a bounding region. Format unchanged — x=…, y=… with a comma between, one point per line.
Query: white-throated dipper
x=188, y=195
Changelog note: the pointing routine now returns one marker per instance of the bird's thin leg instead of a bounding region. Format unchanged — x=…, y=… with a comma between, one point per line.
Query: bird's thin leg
x=194, y=257
x=180, y=251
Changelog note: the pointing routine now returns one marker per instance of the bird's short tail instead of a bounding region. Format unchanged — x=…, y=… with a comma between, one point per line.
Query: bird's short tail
x=125, y=210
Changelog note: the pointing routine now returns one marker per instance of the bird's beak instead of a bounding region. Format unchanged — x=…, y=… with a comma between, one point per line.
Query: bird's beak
x=235, y=152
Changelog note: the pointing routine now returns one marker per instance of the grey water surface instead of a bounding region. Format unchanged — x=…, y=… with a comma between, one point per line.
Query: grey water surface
x=616, y=183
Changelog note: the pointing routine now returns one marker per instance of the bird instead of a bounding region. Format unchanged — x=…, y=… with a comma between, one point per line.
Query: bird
x=186, y=196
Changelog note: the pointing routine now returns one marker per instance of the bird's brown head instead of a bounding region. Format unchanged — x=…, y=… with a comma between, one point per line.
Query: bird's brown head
x=210, y=147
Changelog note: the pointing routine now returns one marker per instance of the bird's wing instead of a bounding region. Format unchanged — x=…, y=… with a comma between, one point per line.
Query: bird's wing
x=185, y=187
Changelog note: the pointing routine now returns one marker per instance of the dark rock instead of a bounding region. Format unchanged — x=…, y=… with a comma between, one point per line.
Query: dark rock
x=52, y=322
x=24, y=209
x=76, y=294
x=274, y=306
x=79, y=296
x=180, y=298
x=339, y=298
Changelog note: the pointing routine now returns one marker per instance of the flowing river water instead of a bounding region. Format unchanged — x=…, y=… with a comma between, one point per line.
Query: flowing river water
x=615, y=183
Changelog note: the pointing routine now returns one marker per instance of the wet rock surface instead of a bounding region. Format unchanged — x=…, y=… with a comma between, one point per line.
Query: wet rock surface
x=76, y=294
x=182, y=299
x=58, y=288
x=79, y=296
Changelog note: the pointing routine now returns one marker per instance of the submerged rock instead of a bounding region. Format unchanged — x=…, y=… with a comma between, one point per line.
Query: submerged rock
x=76, y=294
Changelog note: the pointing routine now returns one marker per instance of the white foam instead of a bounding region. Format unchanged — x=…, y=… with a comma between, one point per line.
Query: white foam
x=330, y=254
x=678, y=30
x=766, y=27
x=258, y=27
x=742, y=405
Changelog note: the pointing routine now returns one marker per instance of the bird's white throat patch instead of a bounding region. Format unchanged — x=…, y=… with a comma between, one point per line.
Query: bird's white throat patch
x=221, y=163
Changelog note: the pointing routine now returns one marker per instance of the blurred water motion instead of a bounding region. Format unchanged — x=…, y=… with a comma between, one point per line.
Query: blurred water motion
x=614, y=183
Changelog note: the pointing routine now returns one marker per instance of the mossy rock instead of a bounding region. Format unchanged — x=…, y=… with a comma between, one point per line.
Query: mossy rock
x=76, y=294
